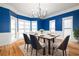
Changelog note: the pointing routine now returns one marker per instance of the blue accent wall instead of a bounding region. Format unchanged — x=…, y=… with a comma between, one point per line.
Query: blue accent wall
x=4, y=20
x=42, y=23
x=58, y=19
x=45, y=24
x=76, y=20
x=58, y=24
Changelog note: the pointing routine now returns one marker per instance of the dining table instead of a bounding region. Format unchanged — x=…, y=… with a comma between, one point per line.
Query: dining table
x=50, y=37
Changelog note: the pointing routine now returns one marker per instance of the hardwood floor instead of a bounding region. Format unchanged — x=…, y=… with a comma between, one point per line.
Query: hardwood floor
x=73, y=49
x=13, y=49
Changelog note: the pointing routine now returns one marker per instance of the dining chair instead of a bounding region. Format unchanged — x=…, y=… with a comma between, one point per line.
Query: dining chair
x=36, y=44
x=27, y=41
x=63, y=45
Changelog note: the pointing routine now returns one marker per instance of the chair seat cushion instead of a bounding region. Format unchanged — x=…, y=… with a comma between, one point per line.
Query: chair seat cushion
x=42, y=44
x=56, y=44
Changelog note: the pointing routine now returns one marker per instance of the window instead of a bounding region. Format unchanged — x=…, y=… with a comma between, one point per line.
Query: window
x=20, y=28
x=67, y=25
x=13, y=28
x=27, y=26
x=24, y=27
x=34, y=26
x=52, y=25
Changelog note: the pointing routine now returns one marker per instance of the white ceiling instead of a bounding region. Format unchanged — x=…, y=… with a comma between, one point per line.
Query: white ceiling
x=52, y=8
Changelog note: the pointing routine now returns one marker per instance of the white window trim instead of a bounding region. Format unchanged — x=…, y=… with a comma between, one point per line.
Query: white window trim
x=69, y=17
x=50, y=25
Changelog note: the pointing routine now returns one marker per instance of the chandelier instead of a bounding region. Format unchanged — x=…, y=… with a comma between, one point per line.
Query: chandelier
x=39, y=12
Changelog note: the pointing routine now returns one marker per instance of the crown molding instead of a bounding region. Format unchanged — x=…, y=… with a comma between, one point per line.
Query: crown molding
x=64, y=11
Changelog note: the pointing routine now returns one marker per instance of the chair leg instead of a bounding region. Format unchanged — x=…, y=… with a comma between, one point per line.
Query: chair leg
x=44, y=51
x=31, y=51
x=27, y=47
x=36, y=52
x=53, y=50
x=63, y=52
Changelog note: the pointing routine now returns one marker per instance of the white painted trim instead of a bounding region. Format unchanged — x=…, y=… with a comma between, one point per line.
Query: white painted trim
x=51, y=25
x=11, y=8
x=64, y=11
x=5, y=38
x=8, y=7
x=58, y=13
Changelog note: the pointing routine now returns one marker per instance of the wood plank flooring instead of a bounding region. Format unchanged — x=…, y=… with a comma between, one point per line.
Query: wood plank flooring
x=13, y=49
x=73, y=49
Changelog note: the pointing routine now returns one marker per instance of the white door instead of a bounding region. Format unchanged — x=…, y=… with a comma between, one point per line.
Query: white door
x=67, y=26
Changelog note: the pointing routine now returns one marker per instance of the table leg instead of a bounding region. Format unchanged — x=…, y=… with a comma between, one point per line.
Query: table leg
x=53, y=40
x=49, y=47
x=44, y=49
x=53, y=46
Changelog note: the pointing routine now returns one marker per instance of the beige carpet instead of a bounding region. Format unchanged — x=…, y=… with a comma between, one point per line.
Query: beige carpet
x=40, y=52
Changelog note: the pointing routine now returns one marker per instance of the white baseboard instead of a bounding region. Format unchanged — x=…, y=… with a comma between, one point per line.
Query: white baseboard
x=5, y=39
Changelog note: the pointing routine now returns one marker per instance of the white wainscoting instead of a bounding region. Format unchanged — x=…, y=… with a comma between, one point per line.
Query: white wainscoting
x=5, y=38
x=62, y=36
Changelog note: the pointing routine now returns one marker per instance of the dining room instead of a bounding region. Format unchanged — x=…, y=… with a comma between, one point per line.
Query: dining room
x=39, y=29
